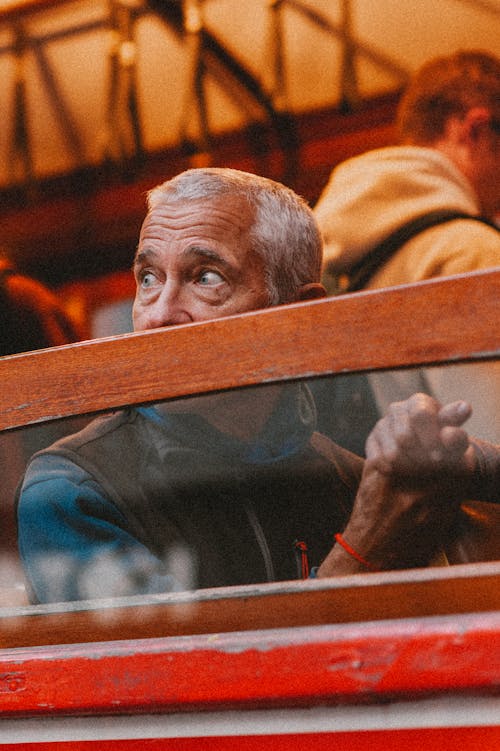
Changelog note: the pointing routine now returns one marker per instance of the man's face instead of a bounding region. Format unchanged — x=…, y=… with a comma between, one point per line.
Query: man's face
x=194, y=262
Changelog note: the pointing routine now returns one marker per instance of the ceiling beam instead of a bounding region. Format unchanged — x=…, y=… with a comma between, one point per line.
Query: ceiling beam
x=87, y=223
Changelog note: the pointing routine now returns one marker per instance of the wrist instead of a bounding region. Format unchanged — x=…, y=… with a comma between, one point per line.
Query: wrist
x=365, y=563
x=339, y=562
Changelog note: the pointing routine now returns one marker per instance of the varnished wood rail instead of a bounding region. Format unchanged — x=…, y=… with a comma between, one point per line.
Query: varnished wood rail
x=443, y=320
x=452, y=590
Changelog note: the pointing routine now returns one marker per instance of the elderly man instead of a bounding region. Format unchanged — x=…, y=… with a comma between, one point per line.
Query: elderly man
x=236, y=488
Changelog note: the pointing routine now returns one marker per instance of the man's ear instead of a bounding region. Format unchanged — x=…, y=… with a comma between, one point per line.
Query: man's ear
x=475, y=121
x=311, y=291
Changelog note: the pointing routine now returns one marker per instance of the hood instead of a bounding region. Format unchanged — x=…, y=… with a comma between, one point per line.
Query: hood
x=371, y=195
x=287, y=430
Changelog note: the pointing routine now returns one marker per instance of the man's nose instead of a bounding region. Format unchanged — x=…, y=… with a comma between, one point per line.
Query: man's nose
x=168, y=309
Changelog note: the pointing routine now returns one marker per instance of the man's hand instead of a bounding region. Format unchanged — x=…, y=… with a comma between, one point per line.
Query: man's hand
x=420, y=440
x=418, y=466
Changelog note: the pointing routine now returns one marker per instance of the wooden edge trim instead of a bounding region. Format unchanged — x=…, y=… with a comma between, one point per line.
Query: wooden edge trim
x=285, y=667
x=349, y=599
x=427, y=323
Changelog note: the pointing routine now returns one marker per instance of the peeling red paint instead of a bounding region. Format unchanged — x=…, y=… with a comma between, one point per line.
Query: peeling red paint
x=298, y=666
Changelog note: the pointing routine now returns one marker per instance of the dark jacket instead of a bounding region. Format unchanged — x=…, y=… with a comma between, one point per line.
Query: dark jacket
x=240, y=520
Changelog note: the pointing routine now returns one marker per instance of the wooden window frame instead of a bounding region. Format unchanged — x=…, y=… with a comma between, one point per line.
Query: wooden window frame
x=376, y=638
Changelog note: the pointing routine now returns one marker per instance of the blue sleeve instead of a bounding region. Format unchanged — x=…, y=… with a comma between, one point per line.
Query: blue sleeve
x=73, y=541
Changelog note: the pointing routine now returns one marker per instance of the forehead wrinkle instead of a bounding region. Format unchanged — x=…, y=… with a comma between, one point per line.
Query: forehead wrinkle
x=146, y=255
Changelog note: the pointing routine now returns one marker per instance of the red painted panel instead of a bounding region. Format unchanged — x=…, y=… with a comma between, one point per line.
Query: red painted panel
x=444, y=739
x=282, y=667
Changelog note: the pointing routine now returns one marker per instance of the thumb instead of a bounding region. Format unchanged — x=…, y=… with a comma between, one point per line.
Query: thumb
x=455, y=413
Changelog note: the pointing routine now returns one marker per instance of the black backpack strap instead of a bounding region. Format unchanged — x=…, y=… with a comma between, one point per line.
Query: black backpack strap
x=362, y=272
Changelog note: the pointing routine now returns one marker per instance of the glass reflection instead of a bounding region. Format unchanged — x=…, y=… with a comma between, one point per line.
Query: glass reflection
x=226, y=489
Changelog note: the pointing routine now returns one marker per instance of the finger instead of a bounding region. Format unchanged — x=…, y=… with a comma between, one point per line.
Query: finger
x=470, y=459
x=455, y=413
x=388, y=437
x=392, y=443
x=455, y=441
x=377, y=450
x=425, y=426
x=459, y=455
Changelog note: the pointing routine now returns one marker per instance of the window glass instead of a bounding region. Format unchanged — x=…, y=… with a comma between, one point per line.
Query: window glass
x=208, y=491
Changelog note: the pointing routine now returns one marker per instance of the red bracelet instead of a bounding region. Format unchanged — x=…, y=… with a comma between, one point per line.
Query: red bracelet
x=351, y=551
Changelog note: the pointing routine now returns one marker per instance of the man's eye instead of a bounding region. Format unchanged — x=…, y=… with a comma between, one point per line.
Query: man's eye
x=147, y=279
x=210, y=278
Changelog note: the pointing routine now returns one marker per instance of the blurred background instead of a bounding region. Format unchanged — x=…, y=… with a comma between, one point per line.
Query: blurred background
x=101, y=100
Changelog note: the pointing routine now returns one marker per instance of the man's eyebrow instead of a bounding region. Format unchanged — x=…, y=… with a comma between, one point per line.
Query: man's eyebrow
x=205, y=253
x=143, y=256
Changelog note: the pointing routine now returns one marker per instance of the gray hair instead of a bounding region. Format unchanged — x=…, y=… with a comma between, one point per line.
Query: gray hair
x=285, y=233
